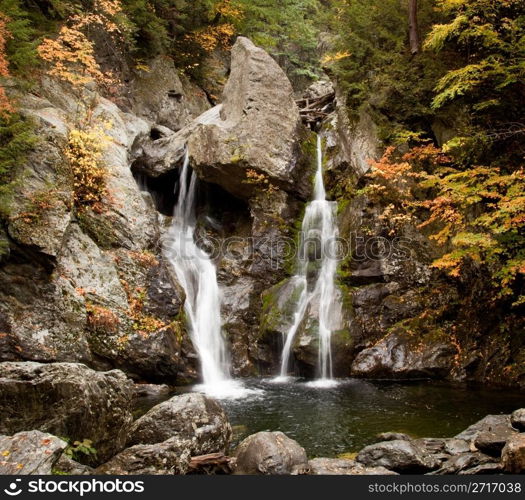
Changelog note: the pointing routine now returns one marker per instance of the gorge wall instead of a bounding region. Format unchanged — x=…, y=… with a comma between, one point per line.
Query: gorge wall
x=92, y=286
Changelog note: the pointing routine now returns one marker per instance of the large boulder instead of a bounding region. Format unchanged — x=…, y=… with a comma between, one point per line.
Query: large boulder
x=31, y=452
x=513, y=454
x=398, y=356
x=270, y=453
x=167, y=458
x=517, y=419
x=67, y=400
x=486, y=424
x=164, y=96
x=257, y=128
x=194, y=418
x=344, y=467
x=467, y=461
x=399, y=456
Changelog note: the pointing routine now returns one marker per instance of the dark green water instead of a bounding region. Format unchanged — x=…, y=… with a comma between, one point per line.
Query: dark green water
x=329, y=422
x=344, y=419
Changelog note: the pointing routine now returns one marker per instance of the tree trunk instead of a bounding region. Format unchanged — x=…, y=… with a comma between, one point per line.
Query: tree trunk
x=415, y=42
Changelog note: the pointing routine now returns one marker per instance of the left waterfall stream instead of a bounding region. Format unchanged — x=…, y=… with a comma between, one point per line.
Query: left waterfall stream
x=197, y=275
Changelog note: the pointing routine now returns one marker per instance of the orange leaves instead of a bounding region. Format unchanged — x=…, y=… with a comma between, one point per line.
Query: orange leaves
x=477, y=214
x=220, y=35
x=101, y=318
x=71, y=55
x=214, y=36
x=71, y=58
x=5, y=104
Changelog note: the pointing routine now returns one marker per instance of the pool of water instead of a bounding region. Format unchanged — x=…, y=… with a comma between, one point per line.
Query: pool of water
x=343, y=419
x=330, y=421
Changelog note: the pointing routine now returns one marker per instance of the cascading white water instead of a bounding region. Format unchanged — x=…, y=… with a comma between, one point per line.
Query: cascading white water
x=319, y=229
x=198, y=277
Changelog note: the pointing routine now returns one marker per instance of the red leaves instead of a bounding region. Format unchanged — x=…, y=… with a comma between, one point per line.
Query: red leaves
x=5, y=105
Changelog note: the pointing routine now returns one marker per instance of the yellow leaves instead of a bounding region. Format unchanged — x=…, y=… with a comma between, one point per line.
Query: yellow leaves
x=84, y=151
x=477, y=214
x=71, y=54
x=214, y=36
x=337, y=56
x=143, y=324
x=108, y=7
x=220, y=35
x=71, y=58
x=229, y=10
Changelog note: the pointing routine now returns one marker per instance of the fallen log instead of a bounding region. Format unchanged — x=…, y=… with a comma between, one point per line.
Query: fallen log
x=211, y=464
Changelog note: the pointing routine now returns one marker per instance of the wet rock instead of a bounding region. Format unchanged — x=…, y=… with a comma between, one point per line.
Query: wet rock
x=456, y=446
x=513, y=454
x=194, y=418
x=463, y=461
x=66, y=465
x=393, y=436
x=278, y=315
x=399, y=456
x=31, y=452
x=343, y=467
x=68, y=400
x=151, y=391
x=517, y=419
x=489, y=468
x=486, y=424
x=166, y=458
x=270, y=453
x=396, y=357
x=492, y=440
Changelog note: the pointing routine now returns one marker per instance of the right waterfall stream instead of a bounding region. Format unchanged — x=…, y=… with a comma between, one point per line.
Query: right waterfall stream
x=314, y=278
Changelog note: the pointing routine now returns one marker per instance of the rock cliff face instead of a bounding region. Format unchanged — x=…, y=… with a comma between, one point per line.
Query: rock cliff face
x=92, y=285
x=89, y=285
x=255, y=162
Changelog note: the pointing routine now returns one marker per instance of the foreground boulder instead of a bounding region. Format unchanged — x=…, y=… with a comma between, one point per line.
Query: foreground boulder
x=69, y=400
x=344, y=467
x=194, y=418
x=397, y=455
x=270, y=453
x=395, y=356
x=513, y=455
x=466, y=462
x=517, y=419
x=489, y=435
x=32, y=452
x=167, y=458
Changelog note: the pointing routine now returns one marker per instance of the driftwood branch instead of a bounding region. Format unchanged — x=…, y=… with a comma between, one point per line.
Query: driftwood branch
x=213, y=463
x=315, y=109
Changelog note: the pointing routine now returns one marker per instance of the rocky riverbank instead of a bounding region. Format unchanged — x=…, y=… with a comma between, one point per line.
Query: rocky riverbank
x=64, y=418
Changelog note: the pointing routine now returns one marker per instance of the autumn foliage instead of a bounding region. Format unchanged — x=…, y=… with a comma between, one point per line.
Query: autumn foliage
x=84, y=152
x=71, y=55
x=476, y=215
x=5, y=104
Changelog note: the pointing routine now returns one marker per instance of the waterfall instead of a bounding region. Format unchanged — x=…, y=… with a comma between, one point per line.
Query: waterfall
x=198, y=277
x=319, y=229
